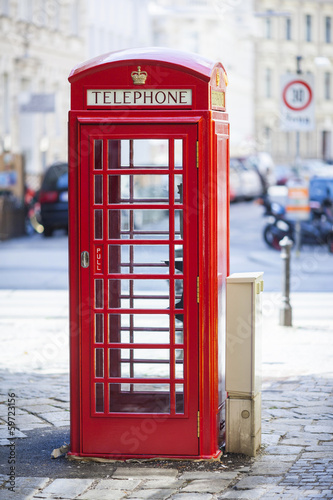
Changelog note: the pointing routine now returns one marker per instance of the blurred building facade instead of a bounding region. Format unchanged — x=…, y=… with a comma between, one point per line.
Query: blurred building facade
x=40, y=42
x=293, y=35
x=257, y=41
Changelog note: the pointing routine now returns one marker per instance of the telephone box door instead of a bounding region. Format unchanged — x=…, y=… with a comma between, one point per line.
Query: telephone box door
x=139, y=268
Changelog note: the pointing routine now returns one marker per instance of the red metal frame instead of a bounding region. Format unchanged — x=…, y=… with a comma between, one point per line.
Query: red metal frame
x=208, y=221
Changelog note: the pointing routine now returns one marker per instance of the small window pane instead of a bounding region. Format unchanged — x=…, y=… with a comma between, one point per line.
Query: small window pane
x=99, y=292
x=178, y=189
x=138, y=188
x=99, y=328
x=179, y=360
x=180, y=398
x=140, y=363
x=98, y=224
x=179, y=224
x=140, y=398
x=98, y=154
x=139, y=259
x=178, y=145
x=99, y=398
x=138, y=224
x=139, y=293
x=99, y=362
x=98, y=189
x=139, y=328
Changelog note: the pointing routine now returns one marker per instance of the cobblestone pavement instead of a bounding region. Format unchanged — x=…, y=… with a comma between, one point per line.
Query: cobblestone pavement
x=296, y=458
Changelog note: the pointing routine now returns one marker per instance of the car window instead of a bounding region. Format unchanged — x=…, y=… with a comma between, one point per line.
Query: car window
x=62, y=182
x=56, y=177
x=320, y=189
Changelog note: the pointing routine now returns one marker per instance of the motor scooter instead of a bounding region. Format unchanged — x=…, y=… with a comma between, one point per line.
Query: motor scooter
x=318, y=230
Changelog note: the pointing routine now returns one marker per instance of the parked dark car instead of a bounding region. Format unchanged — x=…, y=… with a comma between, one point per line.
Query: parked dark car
x=53, y=198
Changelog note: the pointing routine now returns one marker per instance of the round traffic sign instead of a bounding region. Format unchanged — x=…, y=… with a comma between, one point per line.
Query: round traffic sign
x=297, y=95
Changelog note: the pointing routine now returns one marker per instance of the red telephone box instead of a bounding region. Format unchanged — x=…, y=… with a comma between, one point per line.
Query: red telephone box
x=149, y=254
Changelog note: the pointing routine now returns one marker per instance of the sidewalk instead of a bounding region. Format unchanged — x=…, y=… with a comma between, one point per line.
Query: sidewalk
x=296, y=460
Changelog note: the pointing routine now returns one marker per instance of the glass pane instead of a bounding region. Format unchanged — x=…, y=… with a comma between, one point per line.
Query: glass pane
x=98, y=154
x=99, y=397
x=140, y=398
x=99, y=328
x=179, y=259
x=179, y=328
x=139, y=294
x=137, y=224
x=139, y=328
x=178, y=153
x=179, y=360
x=99, y=362
x=150, y=153
x=180, y=398
x=114, y=153
x=178, y=189
x=138, y=188
x=139, y=259
x=98, y=189
x=179, y=294
x=178, y=224
x=140, y=363
x=98, y=224
x=99, y=292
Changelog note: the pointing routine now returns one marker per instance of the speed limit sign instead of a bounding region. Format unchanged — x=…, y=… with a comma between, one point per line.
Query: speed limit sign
x=297, y=102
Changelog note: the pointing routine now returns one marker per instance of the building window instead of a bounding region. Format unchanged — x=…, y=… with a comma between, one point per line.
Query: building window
x=288, y=28
x=327, y=86
x=74, y=18
x=4, y=7
x=268, y=83
x=268, y=28
x=25, y=10
x=328, y=29
x=308, y=28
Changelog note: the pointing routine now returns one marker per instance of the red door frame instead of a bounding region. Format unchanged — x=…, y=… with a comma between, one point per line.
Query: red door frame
x=209, y=421
x=135, y=429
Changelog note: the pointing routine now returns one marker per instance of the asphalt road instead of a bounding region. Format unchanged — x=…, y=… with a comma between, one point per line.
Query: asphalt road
x=35, y=262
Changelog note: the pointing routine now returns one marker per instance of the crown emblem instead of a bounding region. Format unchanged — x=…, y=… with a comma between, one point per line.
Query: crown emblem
x=139, y=77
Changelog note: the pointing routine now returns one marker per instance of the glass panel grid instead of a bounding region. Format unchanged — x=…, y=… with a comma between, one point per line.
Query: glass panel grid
x=159, y=332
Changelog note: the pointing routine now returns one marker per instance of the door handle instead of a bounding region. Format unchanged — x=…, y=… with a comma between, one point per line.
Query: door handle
x=85, y=259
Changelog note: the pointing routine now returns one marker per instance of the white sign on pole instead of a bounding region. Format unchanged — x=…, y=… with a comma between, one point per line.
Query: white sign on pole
x=297, y=102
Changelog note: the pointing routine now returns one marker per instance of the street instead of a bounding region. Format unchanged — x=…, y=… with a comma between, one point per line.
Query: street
x=41, y=263
x=295, y=458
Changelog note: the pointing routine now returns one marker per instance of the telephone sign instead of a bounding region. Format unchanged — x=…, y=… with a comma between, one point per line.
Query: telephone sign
x=297, y=102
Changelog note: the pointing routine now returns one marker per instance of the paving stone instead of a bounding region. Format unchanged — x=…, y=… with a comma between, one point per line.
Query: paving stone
x=25, y=487
x=143, y=472
x=276, y=459
x=66, y=489
x=152, y=494
x=222, y=474
x=318, y=428
x=163, y=482
x=118, y=484
x=253, y=494
x=191, y=496
x=4, y=434
x=270, y=470
x=283, y=450
x=42, y=408
x=207, y=485
x=303, y=441
x=103, y=495
x=58, y=419
x=255, y=481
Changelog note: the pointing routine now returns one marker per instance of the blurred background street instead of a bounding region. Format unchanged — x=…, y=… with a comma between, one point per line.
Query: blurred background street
x=36, y=262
